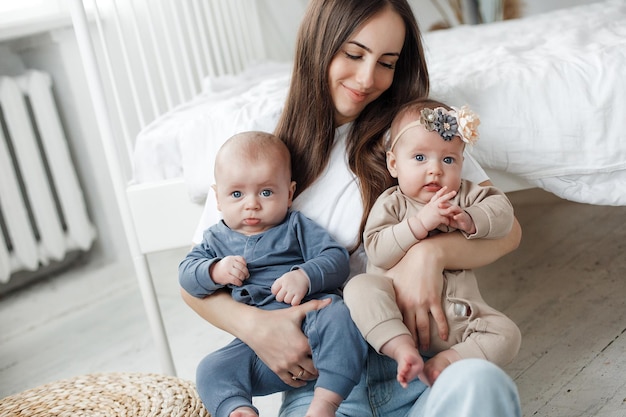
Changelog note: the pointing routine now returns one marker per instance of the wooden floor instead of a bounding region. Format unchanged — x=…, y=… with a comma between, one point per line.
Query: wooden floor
x=565, y=287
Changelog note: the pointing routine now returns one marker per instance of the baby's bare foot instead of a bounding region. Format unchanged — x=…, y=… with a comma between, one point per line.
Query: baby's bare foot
x=435, y=365
x=410, y=364
x=243, y=412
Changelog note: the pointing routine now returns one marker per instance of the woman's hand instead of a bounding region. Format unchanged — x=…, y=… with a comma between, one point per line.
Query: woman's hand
x=278, y=341
x=418, y=282
x=418, y=277
x=275, y=336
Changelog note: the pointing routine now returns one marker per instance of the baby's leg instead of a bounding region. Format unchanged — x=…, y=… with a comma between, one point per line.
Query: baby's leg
x=410, y=364
x=243, y=412
x=324, y=403
x=435, y=365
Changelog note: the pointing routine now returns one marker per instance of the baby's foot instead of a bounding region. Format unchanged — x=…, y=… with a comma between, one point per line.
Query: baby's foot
x=435, y=365
x=410, y=364
x=243, y=412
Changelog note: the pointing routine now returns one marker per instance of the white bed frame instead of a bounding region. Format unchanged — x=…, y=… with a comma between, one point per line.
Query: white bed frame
x=160, y=216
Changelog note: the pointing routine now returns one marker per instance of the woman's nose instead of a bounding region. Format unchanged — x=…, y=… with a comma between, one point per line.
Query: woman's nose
x=365, y=75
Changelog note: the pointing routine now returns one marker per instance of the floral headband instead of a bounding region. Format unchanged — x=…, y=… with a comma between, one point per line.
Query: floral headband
x=448, y=123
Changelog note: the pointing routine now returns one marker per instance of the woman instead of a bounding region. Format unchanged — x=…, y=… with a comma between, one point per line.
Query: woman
x=356, y=62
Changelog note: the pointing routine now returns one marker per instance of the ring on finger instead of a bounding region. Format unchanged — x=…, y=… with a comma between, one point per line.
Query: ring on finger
x=297, y=378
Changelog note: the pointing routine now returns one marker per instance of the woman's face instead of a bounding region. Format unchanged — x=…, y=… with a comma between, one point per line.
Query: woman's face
x=364, y=66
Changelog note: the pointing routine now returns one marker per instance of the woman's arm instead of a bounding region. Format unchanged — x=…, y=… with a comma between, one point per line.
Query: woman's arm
x=275, y=336
x=418, y=277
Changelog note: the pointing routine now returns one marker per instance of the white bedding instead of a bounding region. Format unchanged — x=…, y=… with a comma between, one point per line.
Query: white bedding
x=550, y=90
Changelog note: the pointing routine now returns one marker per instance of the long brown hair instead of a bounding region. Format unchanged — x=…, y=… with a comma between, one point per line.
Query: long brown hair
x=307, y=124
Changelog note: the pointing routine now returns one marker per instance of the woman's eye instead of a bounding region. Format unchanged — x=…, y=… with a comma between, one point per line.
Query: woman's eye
x=350, y=56
x=266, y=193
x=236, y=194
x=448, y=160
x=420, y=158
x=388, y=65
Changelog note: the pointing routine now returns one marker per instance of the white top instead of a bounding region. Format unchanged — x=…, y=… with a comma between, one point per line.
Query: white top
x=334, y=200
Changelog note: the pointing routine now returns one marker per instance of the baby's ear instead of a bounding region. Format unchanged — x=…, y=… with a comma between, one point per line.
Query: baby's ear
x=217, y=199
x=292, y=190
x=391, y=164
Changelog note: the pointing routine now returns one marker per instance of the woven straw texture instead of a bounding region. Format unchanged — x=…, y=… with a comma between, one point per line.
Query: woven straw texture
x=108, y=395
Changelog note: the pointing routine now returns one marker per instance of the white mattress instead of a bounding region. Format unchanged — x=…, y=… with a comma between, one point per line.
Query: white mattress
x=550, y=90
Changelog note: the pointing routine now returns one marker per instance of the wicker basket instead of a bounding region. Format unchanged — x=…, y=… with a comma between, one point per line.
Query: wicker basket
x=108, y=395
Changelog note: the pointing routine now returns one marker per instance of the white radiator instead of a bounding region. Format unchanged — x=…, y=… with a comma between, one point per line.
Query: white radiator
x=42, y=210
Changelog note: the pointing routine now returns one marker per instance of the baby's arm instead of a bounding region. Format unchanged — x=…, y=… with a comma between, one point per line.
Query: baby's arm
x=193, y=270
x=489, y=209
x=291, y=287
x=462, y=221
x=326, y=263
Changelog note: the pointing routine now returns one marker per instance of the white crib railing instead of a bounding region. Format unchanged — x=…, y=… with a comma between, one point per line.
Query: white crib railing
x=42, y=210
x=141, y=59
x=155, y=54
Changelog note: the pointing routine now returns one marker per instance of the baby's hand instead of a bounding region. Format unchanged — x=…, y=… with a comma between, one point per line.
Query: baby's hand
x=463, y=221
x=434, y=213
x=291, y=287
x=230, y=270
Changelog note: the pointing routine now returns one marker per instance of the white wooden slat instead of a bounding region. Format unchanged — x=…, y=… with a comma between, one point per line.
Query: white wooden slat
x=192, y=38
x=158, y=58
x=40, y=195
x=122, y=45
x=146, y=73
x=225, y=48
x=237, y=33
x=203, y=23
x=108, y=139
x=179, y=34
x=114, y=83
x=169, y=57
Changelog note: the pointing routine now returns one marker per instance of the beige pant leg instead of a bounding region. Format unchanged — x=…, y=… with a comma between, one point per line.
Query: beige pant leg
x=484, y=333
x=371, y=300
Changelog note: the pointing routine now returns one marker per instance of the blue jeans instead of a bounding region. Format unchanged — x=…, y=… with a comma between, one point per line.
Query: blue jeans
x=228, y=378
x=470, y=387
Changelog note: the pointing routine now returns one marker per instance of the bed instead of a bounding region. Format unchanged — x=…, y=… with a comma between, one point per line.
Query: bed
x=550, y=90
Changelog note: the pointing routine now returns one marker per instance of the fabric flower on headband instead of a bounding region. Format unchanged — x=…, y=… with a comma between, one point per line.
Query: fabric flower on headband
x=445, y=124
x=448, y=123
x=462, y=122
x=468, y=125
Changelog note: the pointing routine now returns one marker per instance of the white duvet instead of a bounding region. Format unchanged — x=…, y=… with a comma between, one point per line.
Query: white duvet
x=550, y=90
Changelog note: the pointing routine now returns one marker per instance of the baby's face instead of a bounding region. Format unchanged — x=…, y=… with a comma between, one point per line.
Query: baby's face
x=423, y=163
x=253, y=197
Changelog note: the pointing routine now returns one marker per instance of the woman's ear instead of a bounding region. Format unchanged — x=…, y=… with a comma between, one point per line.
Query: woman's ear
x=391, y=164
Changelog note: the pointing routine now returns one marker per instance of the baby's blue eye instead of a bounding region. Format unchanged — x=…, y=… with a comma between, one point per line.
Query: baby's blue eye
x=266, y=193
x=420, y=158
x=448, y=160
x=236, y=194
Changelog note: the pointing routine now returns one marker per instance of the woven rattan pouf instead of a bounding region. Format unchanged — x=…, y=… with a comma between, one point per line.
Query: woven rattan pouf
x=108, y=395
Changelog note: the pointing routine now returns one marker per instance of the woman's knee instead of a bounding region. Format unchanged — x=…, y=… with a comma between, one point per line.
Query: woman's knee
x=473, y=385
